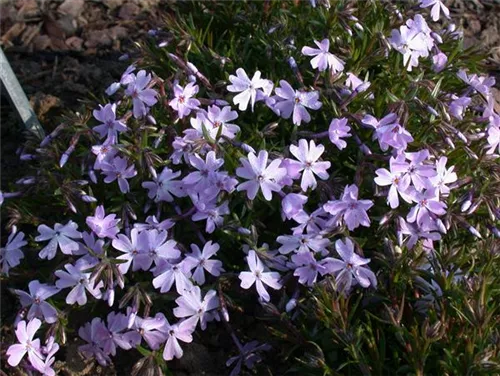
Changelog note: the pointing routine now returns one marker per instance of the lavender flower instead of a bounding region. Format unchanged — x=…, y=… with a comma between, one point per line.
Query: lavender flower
x=25, y=333
x=104, y=226
x=141, y=96
x=398, y=181
x=352, y=209
x=203, y=179
x=200, y=260
x=437, y=7
x=481, y=84
x=351, y=269
x=184, y=102
x=116, y=334
x=458, y=106
x=292, y=204
x=163, y=187
x=150, y=329
x=11, y=254
x=167, y=274
x=134, y=250
x=301, y=243
x=118, y=170
x=323, y=58
x=110, y=126
x=308, y=157
x=190, y=304
x=427, y=203
x=296, y=102
x=77, y=278
x=307, y=268
x=258, y=276
x=249, y=355
x=62, y=236
x=92, y=333
x=39, y=308
x=339, y=129
x=209, y=211
x=418, y=172
x=247, y=88
x=443, y=176
x=260, y=175
x=416, y=232
x=215, y=122
x=183, y=331
x=494, y=135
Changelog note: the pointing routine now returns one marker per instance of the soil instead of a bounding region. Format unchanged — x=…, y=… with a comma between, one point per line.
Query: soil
x=64, y=51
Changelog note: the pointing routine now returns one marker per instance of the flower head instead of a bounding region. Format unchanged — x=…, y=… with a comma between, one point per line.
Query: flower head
x=295, y=101
x=258, y=276
x=323, y=58
x=104, y=226
x=61, y=236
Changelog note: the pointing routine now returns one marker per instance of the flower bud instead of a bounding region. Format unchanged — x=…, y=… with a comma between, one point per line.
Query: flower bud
x=291, y=305
x=474, y=232
x=87, y=198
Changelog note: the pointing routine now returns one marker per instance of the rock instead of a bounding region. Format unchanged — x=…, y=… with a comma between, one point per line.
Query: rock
x=68, y=24
x=42, y=42
x=113, y=4
x=72, y=8
x=128, y=11
x=74, y=43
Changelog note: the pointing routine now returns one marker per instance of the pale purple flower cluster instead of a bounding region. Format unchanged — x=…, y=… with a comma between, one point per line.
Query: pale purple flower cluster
x=208, y=189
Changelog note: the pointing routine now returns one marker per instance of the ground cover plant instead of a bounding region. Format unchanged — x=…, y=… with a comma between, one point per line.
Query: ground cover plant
x=330, y=169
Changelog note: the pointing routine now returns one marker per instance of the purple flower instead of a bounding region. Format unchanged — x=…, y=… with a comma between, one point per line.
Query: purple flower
x=116, y=334
x=184, y=102
x=77, y=278
x=247, y=88
x=39, y=308
x=308, y=157
x=134, y=249
x=150, y=329
x=480, y=84
x=90, y=243
x=494, y=135
x=249, y=355
x=439, y=62
x=209, y=211
x=203, y=179
x=292, y=204
x=418, y=171
x=444, y=176
x=412, y=40
x=398, y=181
x=110, y=126
x=49, y=351
x=260, y=175
x=216, y=122
x=437, y=7
x=11, y=254
x=415, y=233
x=300, y=243
x=167, y=274
x=190, y=304
x=296, y=102
x=125, y=79
x=351, y=266
x=104, y=226
x=352, y=209
x=159, y=248
x=258, y=276
x=356, y=84
x=163, y=187
x=458, y=106
x=92, y=333
x=200, y=260
x=337, y=130
x=323, y=59
x=183, y=331
x=141, y=96
x=153, y=224
x=118, y=170
x=62, y=236
x=104, y=154
x=25, y=333
x=313, y=223
x=307, y=268
x=427, y=203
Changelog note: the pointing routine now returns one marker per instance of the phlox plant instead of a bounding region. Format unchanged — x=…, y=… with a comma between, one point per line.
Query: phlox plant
x=313, y=184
